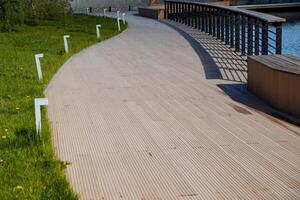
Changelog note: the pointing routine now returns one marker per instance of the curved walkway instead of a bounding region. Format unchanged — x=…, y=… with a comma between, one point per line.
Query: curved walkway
x=138, y=120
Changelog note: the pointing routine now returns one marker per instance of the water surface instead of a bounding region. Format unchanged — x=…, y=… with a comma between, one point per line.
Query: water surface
x=290, y=33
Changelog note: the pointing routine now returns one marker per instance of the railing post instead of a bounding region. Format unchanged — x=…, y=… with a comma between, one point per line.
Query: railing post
x=222, y=25
x=214, y=20
x=185, y=13
x=166, y=10
x=250, y=36
x=177, y=11
x=256, y=42
x=193, y=16
x=227, y=24
x=278, y=39
x=198, y=17
x=206, y=20
x=232, y=30
x=237, y=32
x=210, y=20
x=169, y=11
x=218, y=16
x=181, y=12
x=172, y=11
x=264, y=45
x=243, y=34
x=202, y=18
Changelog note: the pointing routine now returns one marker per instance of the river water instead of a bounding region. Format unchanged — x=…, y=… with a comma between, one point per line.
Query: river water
x=290, y=33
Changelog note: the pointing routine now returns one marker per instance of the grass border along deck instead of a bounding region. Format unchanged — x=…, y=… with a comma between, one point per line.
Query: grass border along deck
x=28, y=167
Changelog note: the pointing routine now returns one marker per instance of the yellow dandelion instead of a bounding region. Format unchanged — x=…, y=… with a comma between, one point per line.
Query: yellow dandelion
x=27, y=96
x=3, y=136
x=17, y=108
x=1, y=161
x=6, y=130
x=19, y=188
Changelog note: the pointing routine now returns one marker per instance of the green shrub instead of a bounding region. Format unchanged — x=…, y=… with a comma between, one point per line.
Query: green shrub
x=11, y=13
x=14, y=12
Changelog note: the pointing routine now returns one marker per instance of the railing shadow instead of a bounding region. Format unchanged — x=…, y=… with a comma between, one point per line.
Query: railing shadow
x=219, y=61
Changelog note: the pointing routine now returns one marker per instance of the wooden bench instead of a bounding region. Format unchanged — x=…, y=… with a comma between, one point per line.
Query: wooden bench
x=276, y=79
x=154, y=12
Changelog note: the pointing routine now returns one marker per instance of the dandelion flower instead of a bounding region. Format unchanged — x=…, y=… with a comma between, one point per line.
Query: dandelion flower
x=3, y=136
x=17, y=108
x=1, y=161
x=6, y=130
x=19, y=188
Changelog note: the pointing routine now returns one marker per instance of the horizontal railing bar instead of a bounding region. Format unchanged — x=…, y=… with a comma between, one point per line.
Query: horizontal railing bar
x=272, y=39
x=242, y=31
x=253, y=14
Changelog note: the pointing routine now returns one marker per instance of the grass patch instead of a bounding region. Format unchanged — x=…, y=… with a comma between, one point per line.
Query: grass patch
x=28, y=167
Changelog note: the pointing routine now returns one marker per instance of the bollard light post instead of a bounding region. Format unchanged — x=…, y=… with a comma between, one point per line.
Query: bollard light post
x=118, y=14
x=119, y=26
x=123, y=16
x=87, y=11
x=66, y=37
x=38, y=65
x=98, y=30
x=38, y=102
x=104, y=12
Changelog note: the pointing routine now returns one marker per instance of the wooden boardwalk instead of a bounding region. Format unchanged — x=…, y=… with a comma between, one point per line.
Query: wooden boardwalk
x=140, y=117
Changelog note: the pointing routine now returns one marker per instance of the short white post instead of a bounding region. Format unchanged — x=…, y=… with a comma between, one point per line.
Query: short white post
x=87, y=11
x=38, y=102
x=118, y=21
x=66, y=43
x=123, y=16
x=98, y=30
x=104, y=12
x=38, y=65
x=118, y=14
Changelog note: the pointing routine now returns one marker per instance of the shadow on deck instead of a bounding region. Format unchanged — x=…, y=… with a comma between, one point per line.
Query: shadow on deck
x=240, y=94
x=221, y=62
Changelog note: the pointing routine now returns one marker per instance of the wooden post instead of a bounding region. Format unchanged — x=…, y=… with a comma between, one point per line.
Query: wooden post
x=278, y=39
x=264, y=44
x=237, y=32
x=243, y=35
x=256, y=36
x=250, y=36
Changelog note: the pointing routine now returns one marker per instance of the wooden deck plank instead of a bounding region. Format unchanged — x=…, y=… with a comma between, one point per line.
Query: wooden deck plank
x=138, y=119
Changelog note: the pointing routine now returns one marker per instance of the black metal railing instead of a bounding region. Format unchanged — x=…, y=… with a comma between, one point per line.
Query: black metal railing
x=248, y=32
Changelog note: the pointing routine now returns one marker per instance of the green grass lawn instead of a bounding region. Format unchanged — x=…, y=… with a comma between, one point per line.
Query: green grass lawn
x=28, y=167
